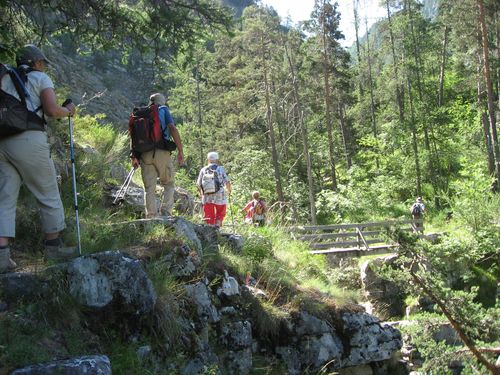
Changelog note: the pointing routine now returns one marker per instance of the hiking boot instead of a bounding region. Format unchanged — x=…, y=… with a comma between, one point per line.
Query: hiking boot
x=55, y=250
x=6, y=264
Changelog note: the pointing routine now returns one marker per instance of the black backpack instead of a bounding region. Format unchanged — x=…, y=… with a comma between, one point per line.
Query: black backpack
x=416, y=209
x=15, y=117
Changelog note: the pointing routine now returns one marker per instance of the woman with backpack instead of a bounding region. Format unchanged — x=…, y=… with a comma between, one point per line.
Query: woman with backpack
x=25, y=156
x=213, y=184
x=255, y=210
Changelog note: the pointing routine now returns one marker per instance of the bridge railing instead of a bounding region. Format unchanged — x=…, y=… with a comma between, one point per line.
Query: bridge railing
x=351, y=237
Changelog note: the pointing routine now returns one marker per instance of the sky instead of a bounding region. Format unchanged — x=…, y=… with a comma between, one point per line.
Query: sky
x=300, y=10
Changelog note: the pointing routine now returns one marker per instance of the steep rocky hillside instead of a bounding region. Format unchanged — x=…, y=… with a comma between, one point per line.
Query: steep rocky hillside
x=98, y=86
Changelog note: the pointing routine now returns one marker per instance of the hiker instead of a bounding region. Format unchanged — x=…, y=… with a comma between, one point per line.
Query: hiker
x=213, y=183
x=157, y=160
x=255, y=210
x=25, y=157
x=417, y=210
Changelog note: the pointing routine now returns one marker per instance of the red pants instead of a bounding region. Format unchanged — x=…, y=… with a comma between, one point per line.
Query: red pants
x=214, y=213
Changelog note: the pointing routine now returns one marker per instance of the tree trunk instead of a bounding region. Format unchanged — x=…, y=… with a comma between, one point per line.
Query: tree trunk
x=443, y=66
x=497, y=34
x=418, y=71
x=418, y=177
x=272, y=139
x=200, y=119
x=328, y=110
x=346, y=137
x=372, y=100
x=484, y=119
x=489, y=92
x=305, y=140
x=399, y=87
x=358, y=49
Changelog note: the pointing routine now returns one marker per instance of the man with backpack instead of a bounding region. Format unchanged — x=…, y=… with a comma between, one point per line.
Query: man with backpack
x=153, y=138
x=255, y=210
x=213, y=183
x=417, y=210
x=26, y=96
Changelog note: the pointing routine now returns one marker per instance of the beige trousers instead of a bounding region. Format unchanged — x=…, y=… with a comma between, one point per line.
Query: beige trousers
x=156, y=164
x=25, y=158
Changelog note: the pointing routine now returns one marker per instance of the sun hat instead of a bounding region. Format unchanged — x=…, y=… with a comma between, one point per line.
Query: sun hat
x=30, y=54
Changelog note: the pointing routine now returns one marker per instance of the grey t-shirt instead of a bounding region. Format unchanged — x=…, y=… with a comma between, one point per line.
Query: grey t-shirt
x=37, y=82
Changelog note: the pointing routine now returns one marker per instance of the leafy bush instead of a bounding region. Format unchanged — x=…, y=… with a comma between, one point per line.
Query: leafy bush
x=474, y=205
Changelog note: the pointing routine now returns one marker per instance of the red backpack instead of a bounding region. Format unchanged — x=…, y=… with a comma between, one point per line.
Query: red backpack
x=145, y=130
x=258, y=208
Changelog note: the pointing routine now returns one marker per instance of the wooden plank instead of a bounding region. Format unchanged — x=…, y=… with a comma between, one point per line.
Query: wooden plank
x=316, y=237
x=387, y=223
x=360, y=233
x=341, y=244
x=353, y=249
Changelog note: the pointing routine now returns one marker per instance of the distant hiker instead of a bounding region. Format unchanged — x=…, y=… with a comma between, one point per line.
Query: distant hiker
x=417, y=210
x=255, y=210
x=213, y=183
x=153, y=138
x=25, y=151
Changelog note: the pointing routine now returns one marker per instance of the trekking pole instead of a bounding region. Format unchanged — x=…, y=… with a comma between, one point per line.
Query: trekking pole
x=120, y=194
x=75, y=195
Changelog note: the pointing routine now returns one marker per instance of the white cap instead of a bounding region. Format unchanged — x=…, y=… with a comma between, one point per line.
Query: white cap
x=212, y=156
x=157, y=99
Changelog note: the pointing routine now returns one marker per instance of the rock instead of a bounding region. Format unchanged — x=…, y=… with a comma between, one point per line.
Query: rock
x=143, y=353
x=183, y=201
x=356, y=370
x=291, y=358
x=236, y=335
x=227, y=310
x=237, y=362
x=368, y=340
x=308, y=324
x=207, y=235
x=393, y=366
x=99, y=279
x=182, y=262
x=256, y=292
x=194, y=367
x=229, y=286
x=187, y=231
x=317, y=351
x=87, y=365
x=200, y=295
x=385, y=296
x=234, y=241
x=22, y=286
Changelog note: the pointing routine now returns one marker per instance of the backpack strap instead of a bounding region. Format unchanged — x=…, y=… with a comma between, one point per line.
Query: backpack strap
x=23, y=93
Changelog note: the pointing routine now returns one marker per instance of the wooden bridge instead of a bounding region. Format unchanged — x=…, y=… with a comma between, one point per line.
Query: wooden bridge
x=348, y=240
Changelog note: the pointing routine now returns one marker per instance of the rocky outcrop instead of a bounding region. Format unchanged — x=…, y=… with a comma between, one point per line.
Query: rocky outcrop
x=216, y=329
x=101, y=279
x=358, y=339
x=87, y=365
